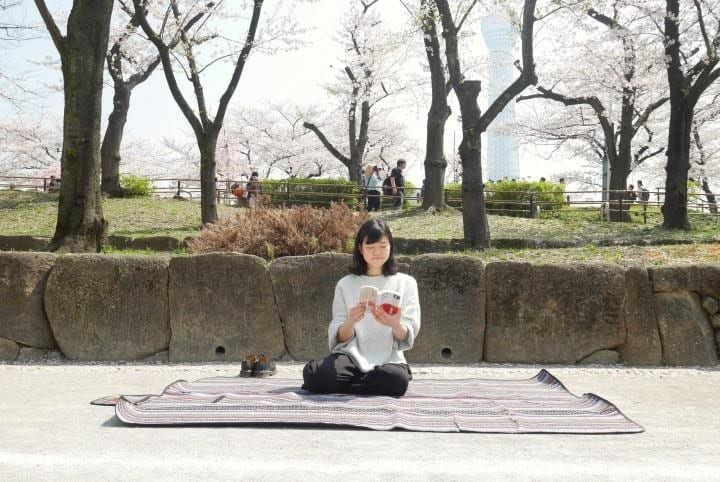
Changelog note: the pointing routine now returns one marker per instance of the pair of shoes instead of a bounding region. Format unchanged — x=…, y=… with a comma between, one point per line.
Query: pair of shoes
x=258, y=366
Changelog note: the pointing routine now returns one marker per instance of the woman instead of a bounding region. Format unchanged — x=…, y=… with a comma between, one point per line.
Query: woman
x=373, y=184
x=367, y=343
x=253, y=189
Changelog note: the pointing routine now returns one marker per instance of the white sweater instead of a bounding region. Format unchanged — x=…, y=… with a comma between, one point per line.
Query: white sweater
x=373, y=343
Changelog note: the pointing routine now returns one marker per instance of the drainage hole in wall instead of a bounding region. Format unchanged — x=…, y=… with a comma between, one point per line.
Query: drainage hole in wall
x=220, y=350
x=446, y=353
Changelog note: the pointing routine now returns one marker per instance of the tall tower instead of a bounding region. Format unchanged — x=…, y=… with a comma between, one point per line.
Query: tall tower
x=502, y=146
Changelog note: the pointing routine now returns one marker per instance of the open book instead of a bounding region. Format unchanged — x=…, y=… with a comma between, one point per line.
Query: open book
x=388, y=301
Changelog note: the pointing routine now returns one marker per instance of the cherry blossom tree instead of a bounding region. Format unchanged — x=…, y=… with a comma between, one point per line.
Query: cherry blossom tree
x=271, y=139
x=370, y=74
x=80, y=223
x=613, y=66
x=193, y=64
x=130, y=61
x=691, y=38
x=475, y=222
x=29, y=145
x=705, y=151
x=440, y=111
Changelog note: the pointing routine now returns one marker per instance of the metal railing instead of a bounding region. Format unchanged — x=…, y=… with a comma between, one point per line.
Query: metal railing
x=529, y=204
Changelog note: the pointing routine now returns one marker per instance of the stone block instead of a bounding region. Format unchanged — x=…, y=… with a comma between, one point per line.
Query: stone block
x=23, y=277
x=160, y=357
x=675, y=278
x=105, y=307
x=552, y=313
x=452, y=303
x=710, y=280
x=23, y=243
x=119, y=242
x=602, y=357
x=685, y=330
x=155, y=243
x=304, y=288
x=30, y=354
x=642, y=345
x=8, y=349
x=222, y=307
x=715, y=321
x=710, y=304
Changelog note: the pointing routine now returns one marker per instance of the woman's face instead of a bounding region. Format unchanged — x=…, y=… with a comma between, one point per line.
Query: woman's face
x=375, y=254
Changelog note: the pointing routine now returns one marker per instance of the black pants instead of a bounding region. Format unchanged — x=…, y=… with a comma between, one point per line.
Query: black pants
x=337, y=373
x=373, y=201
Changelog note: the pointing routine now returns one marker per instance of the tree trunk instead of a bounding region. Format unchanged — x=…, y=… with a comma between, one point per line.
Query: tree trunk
x=80, y=223
x=435, y=162
x=619, y=172
x=674, y=209
x=619, y=201
x=355, y=169
x=110, y=150
x=208, y=191
x=475, y=223
x=709, y=195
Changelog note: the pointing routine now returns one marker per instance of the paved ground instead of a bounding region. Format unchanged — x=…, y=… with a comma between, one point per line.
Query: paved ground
x=49, y=431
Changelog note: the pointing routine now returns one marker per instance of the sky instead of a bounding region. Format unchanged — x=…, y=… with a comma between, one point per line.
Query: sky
x=297, y=76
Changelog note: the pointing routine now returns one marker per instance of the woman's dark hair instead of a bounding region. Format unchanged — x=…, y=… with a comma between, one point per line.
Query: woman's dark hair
x=254, y=174
x=371, y=232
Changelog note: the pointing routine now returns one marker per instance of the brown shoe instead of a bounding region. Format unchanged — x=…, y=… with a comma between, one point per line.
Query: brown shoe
x=248, y=366
x=263, y=367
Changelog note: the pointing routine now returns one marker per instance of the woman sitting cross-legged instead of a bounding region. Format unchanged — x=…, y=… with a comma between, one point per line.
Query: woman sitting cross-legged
x=367, y=339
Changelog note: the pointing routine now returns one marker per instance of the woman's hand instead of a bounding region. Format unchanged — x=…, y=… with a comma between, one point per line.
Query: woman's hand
x=385, y=318
x=356, y=313
x=346, y=330
x=393, y=321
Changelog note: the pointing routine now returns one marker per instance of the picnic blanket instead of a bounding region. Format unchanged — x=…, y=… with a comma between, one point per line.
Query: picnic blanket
x=540, y=404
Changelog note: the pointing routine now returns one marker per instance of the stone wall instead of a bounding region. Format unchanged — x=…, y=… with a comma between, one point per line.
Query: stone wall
x=218, y=307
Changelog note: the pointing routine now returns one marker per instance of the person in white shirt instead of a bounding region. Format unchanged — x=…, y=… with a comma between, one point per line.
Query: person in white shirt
x=373, y=184
x=365, y=342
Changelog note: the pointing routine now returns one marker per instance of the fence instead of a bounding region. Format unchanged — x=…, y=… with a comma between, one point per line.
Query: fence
x=518, y=203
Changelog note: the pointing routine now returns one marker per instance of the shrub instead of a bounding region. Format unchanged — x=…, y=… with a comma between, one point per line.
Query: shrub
x=311, y=191
x=512, y=198
x=272, y=233
x=136, y=186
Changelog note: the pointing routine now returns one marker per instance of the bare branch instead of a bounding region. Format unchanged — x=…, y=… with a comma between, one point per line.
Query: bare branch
x=52, y=27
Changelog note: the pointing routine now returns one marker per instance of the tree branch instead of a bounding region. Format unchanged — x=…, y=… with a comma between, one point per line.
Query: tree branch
x=164, y=52
x=325, y=142
x=240, y=64
x=527, y=76
x=52, y=27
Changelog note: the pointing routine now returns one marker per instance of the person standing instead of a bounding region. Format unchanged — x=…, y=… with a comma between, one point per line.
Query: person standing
x=373, y=184
x=397, y=183
x=253, y=189
x=643, y=192
x=631, y=194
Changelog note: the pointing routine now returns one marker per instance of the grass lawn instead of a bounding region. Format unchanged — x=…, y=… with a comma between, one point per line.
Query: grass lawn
x=34, y=213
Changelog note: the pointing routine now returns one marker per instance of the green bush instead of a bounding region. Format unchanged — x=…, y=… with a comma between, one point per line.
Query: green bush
x=136, y=186
x=311, y=191
x=271, y=232
x=512, y=198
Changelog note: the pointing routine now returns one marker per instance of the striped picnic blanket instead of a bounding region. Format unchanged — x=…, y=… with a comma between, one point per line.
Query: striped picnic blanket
x=540, y=404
